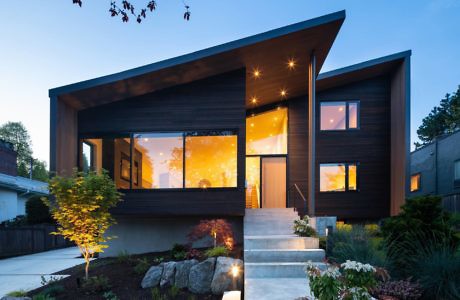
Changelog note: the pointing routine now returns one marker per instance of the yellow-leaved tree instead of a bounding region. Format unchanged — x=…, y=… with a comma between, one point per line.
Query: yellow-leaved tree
x=80, y=205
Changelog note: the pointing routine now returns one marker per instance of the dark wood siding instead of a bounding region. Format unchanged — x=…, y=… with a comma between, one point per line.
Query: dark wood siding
x=370, y=146
x=213, y=103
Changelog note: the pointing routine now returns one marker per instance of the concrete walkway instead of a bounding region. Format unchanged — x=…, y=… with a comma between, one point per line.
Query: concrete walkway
x=24, y=272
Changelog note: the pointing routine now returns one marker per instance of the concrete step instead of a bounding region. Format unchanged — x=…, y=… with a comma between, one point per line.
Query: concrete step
x=269, y=229
x=256, y=211
x=277, y=269
x=276, y=288
x=284, y=255
x=279, y=242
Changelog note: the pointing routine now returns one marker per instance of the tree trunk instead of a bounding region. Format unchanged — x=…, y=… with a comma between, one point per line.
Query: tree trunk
x=87, y=266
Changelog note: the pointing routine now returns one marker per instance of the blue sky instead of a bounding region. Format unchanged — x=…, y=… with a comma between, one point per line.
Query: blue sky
x=45, y=44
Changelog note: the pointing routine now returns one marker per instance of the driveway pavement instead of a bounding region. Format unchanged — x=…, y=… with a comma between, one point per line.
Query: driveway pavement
x=24, y=272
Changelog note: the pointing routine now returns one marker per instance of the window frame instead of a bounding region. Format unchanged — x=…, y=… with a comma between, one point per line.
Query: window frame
x=184, y=133
x=347, y=164
x=347, y=115
x=419, y=182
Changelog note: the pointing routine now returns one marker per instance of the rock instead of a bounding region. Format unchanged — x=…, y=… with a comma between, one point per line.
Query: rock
x=182, y=272
x=200, y=277
x=169, y=270
x=223, y=279
x=15, y=298
x=152, y=277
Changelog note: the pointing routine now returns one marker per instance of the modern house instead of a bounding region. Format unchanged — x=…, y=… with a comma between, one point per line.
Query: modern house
x=250, y=124
x=15, y=190
x=435, y=170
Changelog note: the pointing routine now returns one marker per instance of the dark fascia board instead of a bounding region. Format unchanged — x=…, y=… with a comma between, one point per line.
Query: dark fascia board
x=261, y=37
x=365, y=65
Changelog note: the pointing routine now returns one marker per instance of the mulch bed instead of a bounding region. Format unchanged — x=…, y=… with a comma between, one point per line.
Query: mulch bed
x=124, y=282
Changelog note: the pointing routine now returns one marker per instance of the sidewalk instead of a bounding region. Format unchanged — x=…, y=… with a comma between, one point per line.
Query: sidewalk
x=24, y=272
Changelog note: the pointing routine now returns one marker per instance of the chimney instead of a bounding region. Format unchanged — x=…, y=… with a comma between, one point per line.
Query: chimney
x=8, y=159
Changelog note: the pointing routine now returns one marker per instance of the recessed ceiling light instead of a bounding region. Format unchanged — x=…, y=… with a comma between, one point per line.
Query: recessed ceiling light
x=283, y=93
x=256, y=73
x=291, y=63
x=254, y=100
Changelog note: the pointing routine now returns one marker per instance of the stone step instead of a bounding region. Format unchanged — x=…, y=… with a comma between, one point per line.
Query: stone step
x=284, y=255
x=276, y=288
x=277, y=269
x=280, y=242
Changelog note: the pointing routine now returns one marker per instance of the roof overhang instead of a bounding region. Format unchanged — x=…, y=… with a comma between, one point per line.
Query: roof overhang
x=361, y=71
x=268, y=51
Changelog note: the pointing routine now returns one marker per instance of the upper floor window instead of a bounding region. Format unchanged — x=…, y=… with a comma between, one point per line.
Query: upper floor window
x=415, y=181
x=266, y=133
x=343, y=115
x=338, y=177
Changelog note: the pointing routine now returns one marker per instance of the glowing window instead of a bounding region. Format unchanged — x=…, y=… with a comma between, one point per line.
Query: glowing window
x=266, y=133
x=253, y=182
x=338, y=177
x=210, y=161
x=415, y=182
x=91, y=155
x=339, y=115
x=158, y=160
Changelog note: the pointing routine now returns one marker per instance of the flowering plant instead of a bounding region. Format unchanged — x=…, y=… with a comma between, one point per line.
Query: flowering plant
x=302, y=227
x=324, y=285
x=359, y=275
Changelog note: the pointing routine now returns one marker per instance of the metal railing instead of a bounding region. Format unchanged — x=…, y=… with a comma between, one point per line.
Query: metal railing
x=299, y=192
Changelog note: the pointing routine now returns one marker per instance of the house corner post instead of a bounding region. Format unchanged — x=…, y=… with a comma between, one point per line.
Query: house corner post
x=311, y=134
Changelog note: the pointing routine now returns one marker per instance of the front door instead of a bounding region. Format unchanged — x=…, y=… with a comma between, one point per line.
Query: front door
x=273, y=182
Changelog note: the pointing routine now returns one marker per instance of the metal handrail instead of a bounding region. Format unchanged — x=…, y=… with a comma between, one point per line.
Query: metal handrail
x=301, y=195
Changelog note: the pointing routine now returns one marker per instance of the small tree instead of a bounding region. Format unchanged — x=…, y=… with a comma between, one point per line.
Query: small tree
x=81, y=207
x=218, y=229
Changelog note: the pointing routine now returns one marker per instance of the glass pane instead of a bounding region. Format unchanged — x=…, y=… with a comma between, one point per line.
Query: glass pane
x=210, y=161
x=414, y=182
x=352, y=185
x=332, y=177
x=353, y=115
x=333, y=116
x=158, y=160
x=457, y=170
x=86, y=157
x=252, y=182
x=266, y=133
x=122, y=161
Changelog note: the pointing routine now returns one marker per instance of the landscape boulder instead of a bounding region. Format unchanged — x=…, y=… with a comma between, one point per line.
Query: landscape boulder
x=182, y=272
x=152, y=277
x=200, y=277
x=223, y=278
x=167, y=278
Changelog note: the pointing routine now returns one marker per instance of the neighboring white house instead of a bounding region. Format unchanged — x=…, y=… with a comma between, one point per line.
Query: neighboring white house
x=15, y=190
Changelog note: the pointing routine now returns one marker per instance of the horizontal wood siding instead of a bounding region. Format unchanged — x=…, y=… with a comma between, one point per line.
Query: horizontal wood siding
x=370, y=146
x=214, y=103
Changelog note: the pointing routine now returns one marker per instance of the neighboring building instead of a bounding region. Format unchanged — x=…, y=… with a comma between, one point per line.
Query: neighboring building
x=435, y=168
x=15, y=190
x=247, y=124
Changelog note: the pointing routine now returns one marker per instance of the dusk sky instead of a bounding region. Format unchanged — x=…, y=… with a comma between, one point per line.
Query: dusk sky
x=46, y=44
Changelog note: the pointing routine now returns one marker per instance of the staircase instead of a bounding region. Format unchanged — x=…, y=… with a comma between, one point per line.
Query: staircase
x=275, y=258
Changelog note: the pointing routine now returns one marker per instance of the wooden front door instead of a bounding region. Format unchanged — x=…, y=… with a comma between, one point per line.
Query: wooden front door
x=273, y=182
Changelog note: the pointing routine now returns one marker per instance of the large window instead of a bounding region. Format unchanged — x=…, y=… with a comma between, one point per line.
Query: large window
x=159, y=159
x=338, y=177
x=253, y=182
x=165, y=160
x=210, y=161
x=266, y=133
x=415, y=181
x=342, y=115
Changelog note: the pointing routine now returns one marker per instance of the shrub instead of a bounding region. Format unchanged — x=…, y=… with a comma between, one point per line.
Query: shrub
x=158, y=260
x=218, y=229
x=156, y=294
x=96, y=284
x=422, y=221
x=435, y=265
x=217, y=251
x=37, y=212
x=142, y=266
x=324, y=285
x=17, y=221
x=174, y=292
x=343, y=227
x=194, y=254
x=42, y=296
x=54, y=289
x=123, y=257
x=110, y=296
x=372, y=229
x=302, y=227
x=179, y=252
x=359, y=275
x=401, y=289
x=355, y=244
x=18, y=293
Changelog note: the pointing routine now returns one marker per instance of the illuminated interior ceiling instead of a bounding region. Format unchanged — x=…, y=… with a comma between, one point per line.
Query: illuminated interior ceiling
x=269, y=51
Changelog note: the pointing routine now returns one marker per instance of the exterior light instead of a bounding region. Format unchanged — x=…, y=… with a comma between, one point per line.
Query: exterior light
x=252, y=124
x=291, y=63
x=256, y=73
x=146, y=139
x=331, y=120
x=340, y=108
x=235, y=271
x=283, y=93
x=254, y=100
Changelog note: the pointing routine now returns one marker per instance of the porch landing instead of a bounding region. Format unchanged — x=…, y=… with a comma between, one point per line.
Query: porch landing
x=275, y=258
